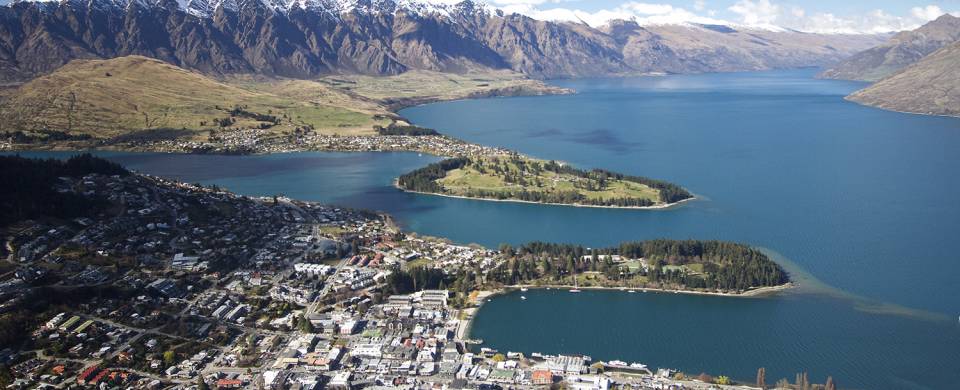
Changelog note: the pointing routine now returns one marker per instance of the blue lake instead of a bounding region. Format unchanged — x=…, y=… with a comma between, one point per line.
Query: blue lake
x=861, y=205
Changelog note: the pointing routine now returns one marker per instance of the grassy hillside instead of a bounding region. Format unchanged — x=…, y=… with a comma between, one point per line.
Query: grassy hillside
x=931, y=86
x=130, y=99
x=109, y=98
x=425, y=86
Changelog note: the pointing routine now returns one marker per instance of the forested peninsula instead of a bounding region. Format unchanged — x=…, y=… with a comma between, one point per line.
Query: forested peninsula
x=524, y=179
x=714, y=267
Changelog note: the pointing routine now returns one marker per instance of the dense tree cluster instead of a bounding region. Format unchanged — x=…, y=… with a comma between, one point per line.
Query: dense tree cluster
x=28, y=186
x=726, y=266
x=416, y=279
x=20, y=137
x=243, y=113
x=526, y=174
x=425, y=179
x=395, y=129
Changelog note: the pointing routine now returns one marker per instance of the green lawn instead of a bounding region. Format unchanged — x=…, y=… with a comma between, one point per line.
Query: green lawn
x=460, y=181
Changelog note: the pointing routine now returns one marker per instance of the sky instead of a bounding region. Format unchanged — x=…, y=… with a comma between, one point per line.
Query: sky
x=820, y=16
x=824, y=16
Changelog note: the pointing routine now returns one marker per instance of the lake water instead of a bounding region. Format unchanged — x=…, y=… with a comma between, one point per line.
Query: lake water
x=861, y=205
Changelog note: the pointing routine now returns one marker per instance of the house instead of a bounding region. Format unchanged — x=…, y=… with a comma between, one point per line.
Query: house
x=340, y=380
x=229, y=383
x=588, y=382
x=542, y=377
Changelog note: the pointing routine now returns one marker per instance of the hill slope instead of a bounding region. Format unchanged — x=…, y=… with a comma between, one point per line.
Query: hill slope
x=110, y=98
x=931, y=86
x=902, y=50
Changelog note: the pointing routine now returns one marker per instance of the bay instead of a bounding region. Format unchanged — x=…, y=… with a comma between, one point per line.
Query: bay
x=860, y=204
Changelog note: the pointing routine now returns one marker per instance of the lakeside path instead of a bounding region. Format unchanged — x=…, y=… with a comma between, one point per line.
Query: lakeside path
x=760, y=291
x=396, y=185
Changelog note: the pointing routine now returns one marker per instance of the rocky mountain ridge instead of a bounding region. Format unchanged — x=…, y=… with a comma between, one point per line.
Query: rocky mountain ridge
x=307, y=38
x=902, y=50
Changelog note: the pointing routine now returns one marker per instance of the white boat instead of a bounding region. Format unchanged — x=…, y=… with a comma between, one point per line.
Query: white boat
x=575, y=288
x=523, y=297
x=524, y=289
x=631, y=291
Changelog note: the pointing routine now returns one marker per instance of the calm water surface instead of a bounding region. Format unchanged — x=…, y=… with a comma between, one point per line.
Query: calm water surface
x=862, y=204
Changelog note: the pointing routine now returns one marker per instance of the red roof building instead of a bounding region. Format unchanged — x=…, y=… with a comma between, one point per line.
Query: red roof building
x=229, y=384
x=542, y=377
x=82, y=378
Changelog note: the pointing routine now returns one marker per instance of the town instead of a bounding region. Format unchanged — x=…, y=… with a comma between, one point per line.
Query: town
x=259, y=141
x=174, y=285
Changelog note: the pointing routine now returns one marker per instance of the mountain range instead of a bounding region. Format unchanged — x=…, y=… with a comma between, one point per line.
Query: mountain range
x=902, y=50
x=307, y=38
x=930, y=86
x=915, y=71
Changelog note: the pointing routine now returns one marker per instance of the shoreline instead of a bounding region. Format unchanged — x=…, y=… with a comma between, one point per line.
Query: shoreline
x=463, y=330
x=665, y=206
x=759, y=291
x=850, y=98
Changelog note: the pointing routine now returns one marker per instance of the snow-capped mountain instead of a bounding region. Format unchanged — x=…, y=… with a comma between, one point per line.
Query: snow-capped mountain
x=306, y=38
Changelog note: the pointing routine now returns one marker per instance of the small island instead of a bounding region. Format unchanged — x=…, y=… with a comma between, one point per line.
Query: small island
x=522, y=179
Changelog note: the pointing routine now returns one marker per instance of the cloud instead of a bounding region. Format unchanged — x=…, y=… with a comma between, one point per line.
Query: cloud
x=643, y=13
x=765, y=12
x=769, y=14
x=875, y=21
x=699, y=5
x=761, y=12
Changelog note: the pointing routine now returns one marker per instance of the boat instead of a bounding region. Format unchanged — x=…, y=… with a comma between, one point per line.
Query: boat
x=523, y=297
x=631, y=291
x=524, y=289
x=575, y=288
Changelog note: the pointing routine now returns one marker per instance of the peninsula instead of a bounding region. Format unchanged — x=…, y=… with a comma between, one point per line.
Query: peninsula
x=693, y=266
x=519, y=178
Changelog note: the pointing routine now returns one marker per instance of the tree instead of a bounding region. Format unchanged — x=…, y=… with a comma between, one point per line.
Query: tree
x=168, y=357
x=506, y=250
x=723, y=380
x=202, y=384
x=499, y=357
x=304, y=324
x=762, y=378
